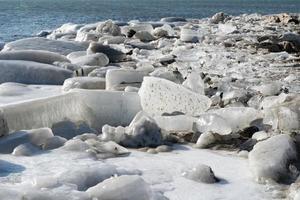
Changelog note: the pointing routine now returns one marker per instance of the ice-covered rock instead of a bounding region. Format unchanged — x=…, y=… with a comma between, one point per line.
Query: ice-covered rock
x=214, y=123
x=200, y=173
x=260, y=135
x=113, y=54
x=97, y=59
x=270, y=159
x=83, y=83
x=238, y=117
x=269, y=89
x=144, y=36
x=284, y=116
x=218, y=17
x=56, y=46
x=36, y=137
x=122, y=187
x=82, y=36
x=189, y=35
x=29, y=72
x=115, y=78
x=86, y=177
x=227, y=28
x=101, y=71
x=165, y=73
x=195, y=83
x=109, y=28
x=176, y=123
x=160, y=96
x=205, y=140
x=142, y=132
x=26, y=149
x=112, y=39
x=76, y=145
x=46, y=57
x=108, y=149
x=76, y=54
x=54, y=143
x=141, y=27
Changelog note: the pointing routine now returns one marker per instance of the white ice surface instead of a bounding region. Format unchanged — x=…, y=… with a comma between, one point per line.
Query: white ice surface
x=162, y=171
x=20, y=93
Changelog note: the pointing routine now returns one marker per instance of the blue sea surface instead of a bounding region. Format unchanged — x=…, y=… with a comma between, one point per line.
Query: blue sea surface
x=22, y=18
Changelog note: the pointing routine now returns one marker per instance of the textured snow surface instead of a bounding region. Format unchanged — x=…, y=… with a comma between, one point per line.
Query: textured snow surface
x=163, y=173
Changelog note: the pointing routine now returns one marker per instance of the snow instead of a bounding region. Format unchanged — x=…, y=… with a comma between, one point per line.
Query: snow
x=163, y=173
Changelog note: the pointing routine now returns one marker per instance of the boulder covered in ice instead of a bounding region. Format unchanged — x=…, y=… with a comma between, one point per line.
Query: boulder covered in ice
x=141, y=132
x=176, y=123
x=56, y=46
x=284, y=116
x=160, y=96
x=26, y=149
x=54, y=143
x=270, y=159
x=113, y=54
x=144, y=36
x=268, y=89
x=40, y=56
x=200, y=173
x=122, y=187
x=205, y=140
x=29, y=72
x=109, y=28
x=76, y=145
x=238, y=117
x=35, y=137
x=97, y=59
x=210, y=122
x=84, y=83
x=195, y=83
x=108, y=149
x=189, y=35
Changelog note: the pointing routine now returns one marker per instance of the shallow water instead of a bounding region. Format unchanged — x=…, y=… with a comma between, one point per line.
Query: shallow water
x=21, y=18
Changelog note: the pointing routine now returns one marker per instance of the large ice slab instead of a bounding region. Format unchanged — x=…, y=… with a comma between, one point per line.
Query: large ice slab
x=96, y=108
x=160, y=96
x=29, y=72
x=33, y=55
x=56, y=46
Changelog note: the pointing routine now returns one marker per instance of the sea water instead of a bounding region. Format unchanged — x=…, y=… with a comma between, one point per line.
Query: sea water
x=23, y=18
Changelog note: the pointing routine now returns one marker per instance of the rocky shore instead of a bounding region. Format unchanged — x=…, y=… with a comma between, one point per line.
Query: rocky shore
x=174, y=109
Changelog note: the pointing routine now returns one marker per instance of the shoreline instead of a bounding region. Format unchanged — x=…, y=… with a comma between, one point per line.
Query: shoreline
x=173, y=109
